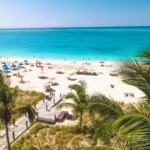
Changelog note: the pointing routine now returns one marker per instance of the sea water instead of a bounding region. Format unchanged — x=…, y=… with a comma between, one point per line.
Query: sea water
x=74, y=43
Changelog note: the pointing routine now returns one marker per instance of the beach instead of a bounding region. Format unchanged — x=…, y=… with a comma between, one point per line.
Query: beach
x=102, y=82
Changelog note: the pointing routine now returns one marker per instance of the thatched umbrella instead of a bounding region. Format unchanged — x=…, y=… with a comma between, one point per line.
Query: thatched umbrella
x=51, y=78
x=42, y=72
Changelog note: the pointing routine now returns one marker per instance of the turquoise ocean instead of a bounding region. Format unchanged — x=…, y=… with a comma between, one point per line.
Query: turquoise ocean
x=74, y=43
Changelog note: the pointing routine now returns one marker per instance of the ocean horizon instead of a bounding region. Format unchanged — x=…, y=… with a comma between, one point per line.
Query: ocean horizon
x=74, y=43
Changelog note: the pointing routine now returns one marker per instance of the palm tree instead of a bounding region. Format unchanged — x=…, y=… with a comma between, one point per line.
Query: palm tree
x=126, y=127
x=105, y=111
x=8, y=107
x=119, y=125
x=80, y=100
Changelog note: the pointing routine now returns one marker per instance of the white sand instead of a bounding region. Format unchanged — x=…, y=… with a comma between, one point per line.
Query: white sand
x=100, y=83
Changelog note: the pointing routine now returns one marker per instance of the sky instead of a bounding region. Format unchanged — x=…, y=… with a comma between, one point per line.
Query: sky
x=73, y=13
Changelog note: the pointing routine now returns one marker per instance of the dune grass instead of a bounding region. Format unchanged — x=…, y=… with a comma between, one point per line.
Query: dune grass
x=25, y=97
x=51, y=137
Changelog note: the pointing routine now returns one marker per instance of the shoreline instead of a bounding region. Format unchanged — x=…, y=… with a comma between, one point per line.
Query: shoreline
x=100, y=83
x=56, y=61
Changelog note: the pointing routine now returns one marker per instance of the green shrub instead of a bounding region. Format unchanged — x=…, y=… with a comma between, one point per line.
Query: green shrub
x=94, y=148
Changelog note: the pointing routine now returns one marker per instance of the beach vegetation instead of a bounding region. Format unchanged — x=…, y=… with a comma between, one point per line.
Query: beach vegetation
x=24, y=98
x=50, y=137
x=80, y=100
x=8, y=107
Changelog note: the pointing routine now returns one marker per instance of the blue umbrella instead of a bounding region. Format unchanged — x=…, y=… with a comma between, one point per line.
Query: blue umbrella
x=20, y=64
x=3, y=63
x=25, y=61
x=13, y=65
x=5, y=66
x=5, y=69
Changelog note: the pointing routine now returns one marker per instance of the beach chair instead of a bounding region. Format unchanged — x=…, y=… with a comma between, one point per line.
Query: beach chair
x=62, y=116
x=126, y=94
x=112, y=86
x=132, y=94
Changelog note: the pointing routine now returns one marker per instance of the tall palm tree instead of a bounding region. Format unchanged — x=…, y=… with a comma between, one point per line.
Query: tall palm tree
x=8, y=107
x=79, y=102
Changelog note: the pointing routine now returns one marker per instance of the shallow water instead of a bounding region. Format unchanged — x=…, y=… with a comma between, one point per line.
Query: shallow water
x=74, y=43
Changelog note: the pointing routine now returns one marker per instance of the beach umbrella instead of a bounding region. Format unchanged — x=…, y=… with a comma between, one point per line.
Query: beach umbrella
x=5, y=66
x=39, y=63
x=92, y=69
x=3, y=63
x=42, y=72
x=48, y=64
x=20, y=65
x=101, y=62
x=5, y=69
x=47, y=84
x=71, y=74
x=25, y=61
x=51, y=78
x=13, y=65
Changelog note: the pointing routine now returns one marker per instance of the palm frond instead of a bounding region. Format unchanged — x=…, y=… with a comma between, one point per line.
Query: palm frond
x=101, y=128
x=27, y=109
x=73, y=96
x=77, y=88
x=83, y=84
x=134, y=129
x=141, y=108
x=134, y=73
x=8, y=95
x=66, y=105
x=144, y=54
x=104, y=106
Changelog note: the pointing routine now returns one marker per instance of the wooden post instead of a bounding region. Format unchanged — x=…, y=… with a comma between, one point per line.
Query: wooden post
x=46, y=107
x=13, y=134
x=43, y=99
x=35, y=106
x=37, y=114
x=55, y=117
x=60, y=95
x=50, y=94
x=13, y=121
x=27, y=124
x=54, y=101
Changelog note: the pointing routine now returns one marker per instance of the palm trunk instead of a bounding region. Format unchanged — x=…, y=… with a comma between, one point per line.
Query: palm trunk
x=7, y=136
x=81, y=113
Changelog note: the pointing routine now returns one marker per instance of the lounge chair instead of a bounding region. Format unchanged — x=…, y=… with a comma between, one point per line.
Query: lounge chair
x=126, y=94
x=112, y=86
x=132, y=94
x=62, y=116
